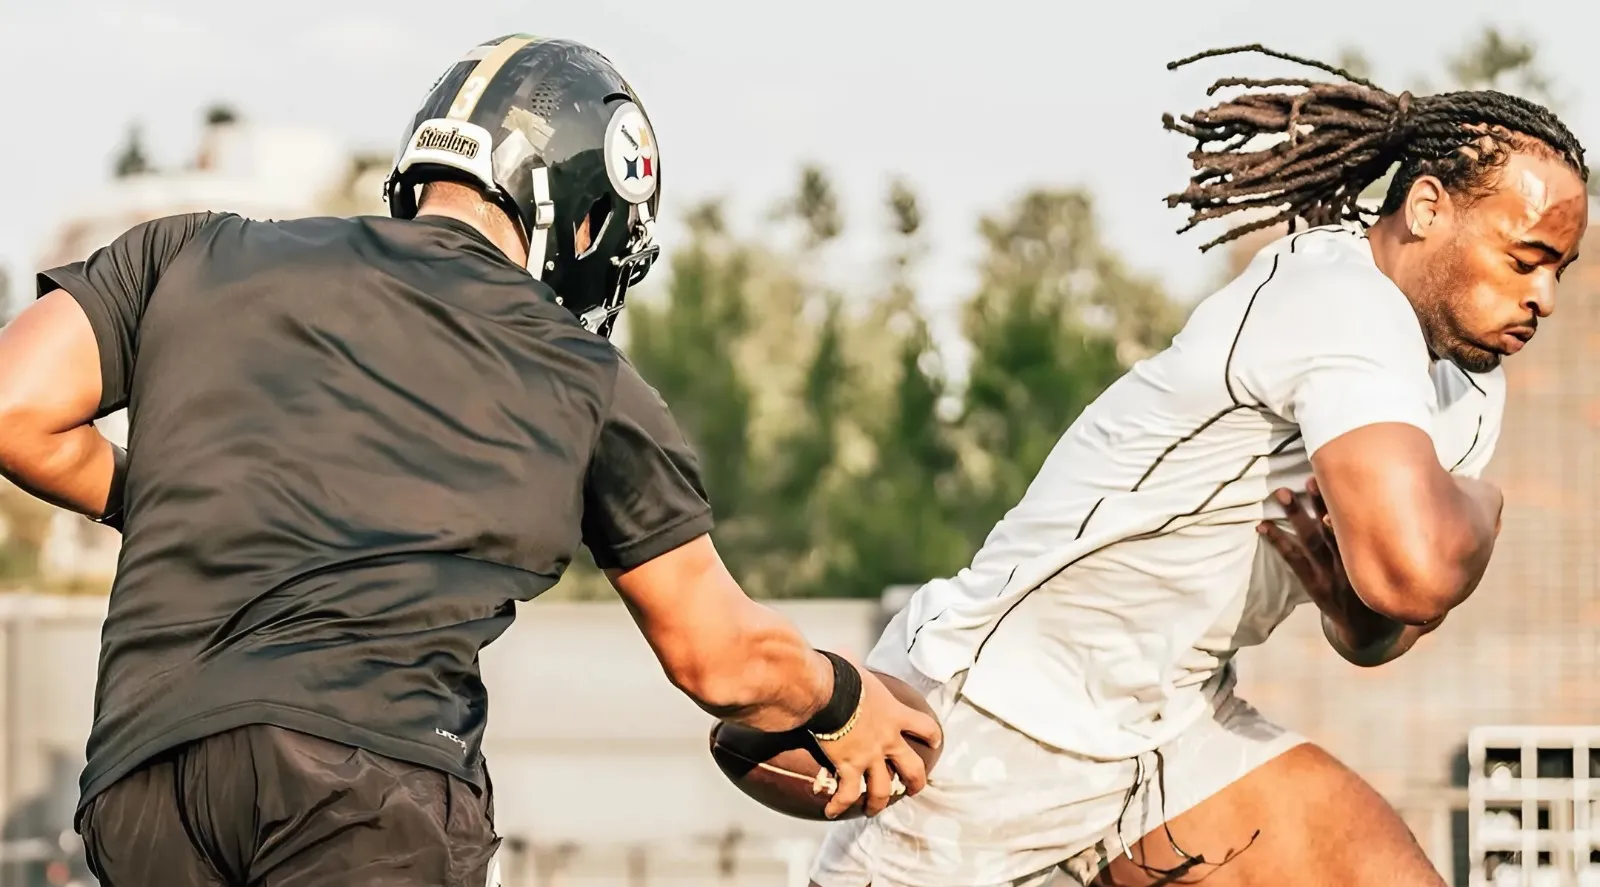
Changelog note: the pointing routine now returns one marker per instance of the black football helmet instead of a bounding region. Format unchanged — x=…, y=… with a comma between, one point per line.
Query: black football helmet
x=554, y=135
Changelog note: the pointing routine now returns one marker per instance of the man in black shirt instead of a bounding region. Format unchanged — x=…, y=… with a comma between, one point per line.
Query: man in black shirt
x=353, y=445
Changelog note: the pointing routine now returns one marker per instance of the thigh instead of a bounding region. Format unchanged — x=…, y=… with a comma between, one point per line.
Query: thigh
x=1048, y=878
x=1300, y=818
x=346, y=817
x=136, y=833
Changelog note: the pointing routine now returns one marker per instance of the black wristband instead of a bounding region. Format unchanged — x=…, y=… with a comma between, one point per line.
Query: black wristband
x=119, y=471
x=845, y=700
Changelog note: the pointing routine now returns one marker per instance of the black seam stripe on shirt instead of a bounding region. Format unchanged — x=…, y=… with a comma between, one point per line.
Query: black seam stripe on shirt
x=1089, y=517
x=1472, y=446
x=1003, y=586
x=918, y=632
x=1232, y=480
x=1227, y=382
x=1227, y=366
x=1153, y=534
x=1174, y=446
x=1081, y=527
x=1171, y=448
x=1477, y=431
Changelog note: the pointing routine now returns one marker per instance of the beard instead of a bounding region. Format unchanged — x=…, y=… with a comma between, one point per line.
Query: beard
x=1446, y=290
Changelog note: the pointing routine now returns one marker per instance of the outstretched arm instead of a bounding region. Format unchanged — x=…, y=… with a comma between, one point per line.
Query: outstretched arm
x=647, y=522
x=735, y=658
x=746, y=663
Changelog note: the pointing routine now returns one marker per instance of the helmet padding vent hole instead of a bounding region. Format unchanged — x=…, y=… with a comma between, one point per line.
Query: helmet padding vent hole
x=545, y=101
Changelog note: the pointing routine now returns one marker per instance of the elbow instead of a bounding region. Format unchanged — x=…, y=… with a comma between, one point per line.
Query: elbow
x=1412, y=590
x=708, y=682
x=1419, y=576
x=730, y=675
x=13, y=419
x=765, y=676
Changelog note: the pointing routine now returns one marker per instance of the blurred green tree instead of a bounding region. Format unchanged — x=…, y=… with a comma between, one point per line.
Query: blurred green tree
x=893, y=520
x=1053, y=309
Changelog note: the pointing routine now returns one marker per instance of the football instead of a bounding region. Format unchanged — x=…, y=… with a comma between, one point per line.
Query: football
x=788, y=772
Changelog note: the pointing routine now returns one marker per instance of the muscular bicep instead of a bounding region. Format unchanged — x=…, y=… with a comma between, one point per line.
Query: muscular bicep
x=1392, y=504
x=50, y=375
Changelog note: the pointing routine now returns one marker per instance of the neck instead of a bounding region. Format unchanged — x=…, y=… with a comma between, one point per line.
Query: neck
x=1391, y=251
x=1389, y=238
x=486, y=219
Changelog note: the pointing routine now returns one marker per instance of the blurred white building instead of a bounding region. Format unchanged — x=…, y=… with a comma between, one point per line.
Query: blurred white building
x=257, y=171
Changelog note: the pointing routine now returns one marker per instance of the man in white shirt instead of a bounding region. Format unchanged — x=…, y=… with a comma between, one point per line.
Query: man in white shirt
x=1082, y=665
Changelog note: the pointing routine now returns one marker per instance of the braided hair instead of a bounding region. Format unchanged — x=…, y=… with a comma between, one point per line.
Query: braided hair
x=1342, y=137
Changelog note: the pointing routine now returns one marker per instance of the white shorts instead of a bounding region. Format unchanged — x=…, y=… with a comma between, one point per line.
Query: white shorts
x=1002, y=810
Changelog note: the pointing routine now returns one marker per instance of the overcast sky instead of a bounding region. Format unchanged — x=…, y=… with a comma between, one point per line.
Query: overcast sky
x=972, y=107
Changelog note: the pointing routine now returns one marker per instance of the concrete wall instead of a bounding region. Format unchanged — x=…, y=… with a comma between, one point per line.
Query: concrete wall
x=601, y=770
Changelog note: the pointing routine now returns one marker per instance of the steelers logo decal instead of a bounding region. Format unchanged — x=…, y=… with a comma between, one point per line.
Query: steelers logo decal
x=631, y=158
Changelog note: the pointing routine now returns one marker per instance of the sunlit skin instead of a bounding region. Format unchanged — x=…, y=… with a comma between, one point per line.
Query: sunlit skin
x=1481, y=274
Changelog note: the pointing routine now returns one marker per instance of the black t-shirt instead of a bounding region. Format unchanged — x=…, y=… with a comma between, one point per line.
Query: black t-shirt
x=353, y=444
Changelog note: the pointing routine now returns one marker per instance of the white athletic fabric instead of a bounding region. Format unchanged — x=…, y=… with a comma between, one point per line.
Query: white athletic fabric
x=1007, y=811
x=1097, y=620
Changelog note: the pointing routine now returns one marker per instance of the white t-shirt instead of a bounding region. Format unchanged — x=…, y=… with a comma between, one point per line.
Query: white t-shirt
x=1131, y=571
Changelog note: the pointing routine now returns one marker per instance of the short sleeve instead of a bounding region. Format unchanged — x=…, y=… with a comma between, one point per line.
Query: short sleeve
x=643, y=496
x=1336, y=349
x=114, y=285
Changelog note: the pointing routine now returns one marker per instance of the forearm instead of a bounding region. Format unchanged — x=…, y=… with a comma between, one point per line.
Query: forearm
x=1421, y=570
x=770, y=679
x=1482, y=505
x=1372, y=644
x=72, y=470
x=738, y=660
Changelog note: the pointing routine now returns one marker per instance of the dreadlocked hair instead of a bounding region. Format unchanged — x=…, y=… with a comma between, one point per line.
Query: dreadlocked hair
x=1342, y=137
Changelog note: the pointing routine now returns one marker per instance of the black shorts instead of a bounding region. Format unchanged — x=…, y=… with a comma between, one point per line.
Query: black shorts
x=267, y=807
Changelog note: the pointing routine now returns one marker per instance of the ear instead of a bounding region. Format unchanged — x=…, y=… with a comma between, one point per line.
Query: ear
x=1428, y=205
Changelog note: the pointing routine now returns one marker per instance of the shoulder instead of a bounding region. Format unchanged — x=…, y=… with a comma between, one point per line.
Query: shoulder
x=1320, y=290
x=167, y=234
x=1318, y=277
x=632, y=394
x=189, y=224
x=1330, y=271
